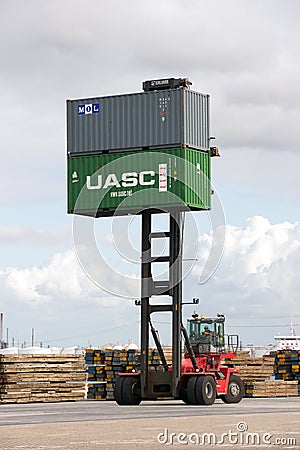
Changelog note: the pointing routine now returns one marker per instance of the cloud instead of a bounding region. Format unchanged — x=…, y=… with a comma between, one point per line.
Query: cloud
x=256, y=278
x=63, y=305
x=244, y=54
x=61, y=278
x=16, y=234
x=257, y=273
x=56, y=51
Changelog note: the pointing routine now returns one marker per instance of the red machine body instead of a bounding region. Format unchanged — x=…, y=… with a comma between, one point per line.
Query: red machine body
x=204, y=376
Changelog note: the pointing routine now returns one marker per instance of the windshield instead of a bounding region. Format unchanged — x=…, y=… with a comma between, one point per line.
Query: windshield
x=201, y=332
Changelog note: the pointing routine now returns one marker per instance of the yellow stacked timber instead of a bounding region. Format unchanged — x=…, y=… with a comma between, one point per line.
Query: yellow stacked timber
x=287, y=364
x=155, y=362
x=41, y=378
x=94, y=359
x=117, y=361
x=253, y=368
x=278, y=388
x=168, y=354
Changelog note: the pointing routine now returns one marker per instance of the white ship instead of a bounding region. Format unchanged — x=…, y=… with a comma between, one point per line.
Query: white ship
x=288, y=342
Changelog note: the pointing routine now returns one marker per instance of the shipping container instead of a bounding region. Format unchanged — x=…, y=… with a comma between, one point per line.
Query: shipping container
x=145, y=120
x=129, y=182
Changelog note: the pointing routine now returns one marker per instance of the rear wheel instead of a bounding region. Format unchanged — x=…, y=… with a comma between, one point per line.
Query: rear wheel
x=236, y=390
x=118, y=390
x=206, y=390
x=184, y=396
x=131, y=391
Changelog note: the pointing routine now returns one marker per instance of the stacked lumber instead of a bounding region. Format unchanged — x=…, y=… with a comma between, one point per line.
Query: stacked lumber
x=96, y=375
x=154, y=358
x=287, y=364
x=117, y=361
x=278, y=388
x=41, y=378
x=257, y=373
x=103, y=368
x=168, y=354
x=253, y=368
x=155, y=362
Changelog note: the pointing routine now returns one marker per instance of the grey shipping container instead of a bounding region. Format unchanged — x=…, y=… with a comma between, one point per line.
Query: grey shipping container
x=145, y=120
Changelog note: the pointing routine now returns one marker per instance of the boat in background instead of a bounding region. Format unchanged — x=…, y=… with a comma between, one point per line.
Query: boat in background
x=288, y=342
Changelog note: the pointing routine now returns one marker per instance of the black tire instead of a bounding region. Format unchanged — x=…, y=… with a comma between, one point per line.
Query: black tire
x=131, y=391
x=118, y=390
x=236, y=390
x=191, y=391
x=205, y=390
x=183, y=396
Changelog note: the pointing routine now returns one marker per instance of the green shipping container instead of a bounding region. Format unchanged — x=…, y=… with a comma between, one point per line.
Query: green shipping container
x=130, y=182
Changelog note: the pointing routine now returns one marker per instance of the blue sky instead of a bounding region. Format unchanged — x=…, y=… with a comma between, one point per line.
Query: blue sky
x=246, y=56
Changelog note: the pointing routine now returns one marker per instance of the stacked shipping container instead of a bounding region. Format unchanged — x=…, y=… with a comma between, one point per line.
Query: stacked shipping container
x=157, y=119
x=138, y=151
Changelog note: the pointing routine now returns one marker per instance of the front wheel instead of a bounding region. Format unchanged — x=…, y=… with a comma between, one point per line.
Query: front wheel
x=206, y=390
x=201, y=390
x=235, y=392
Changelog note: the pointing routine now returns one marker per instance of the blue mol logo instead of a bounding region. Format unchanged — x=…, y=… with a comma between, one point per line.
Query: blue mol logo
x=89, y=108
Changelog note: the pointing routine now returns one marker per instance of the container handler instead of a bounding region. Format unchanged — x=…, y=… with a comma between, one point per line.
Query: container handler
x=199, y=377
x=203, y=376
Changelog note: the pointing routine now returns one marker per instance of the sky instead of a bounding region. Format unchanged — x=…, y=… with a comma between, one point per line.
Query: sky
x=246, y=56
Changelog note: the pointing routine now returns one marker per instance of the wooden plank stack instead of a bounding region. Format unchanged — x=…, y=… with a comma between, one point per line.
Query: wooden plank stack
x=96, y=376
x=116, y=361
x=252, y=368
x=287, y=366
x=278, y=388
x=41, y=378
x=268, y=376
x=103, y=368
x=168, y=354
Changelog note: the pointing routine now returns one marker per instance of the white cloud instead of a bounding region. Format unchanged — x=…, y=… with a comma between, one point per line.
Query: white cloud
x=12, y=234
x=257, y=278
x=61, y=278
x=56, y=51
x=63, y=305
x=245, y=54
x=257, y=274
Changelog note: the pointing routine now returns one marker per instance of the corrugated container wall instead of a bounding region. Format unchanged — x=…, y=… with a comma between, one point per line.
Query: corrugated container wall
x=129, y=182
x=147, y=120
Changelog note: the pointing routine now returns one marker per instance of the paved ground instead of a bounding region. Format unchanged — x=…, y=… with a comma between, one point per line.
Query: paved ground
x=18, y=414
x=152, y=425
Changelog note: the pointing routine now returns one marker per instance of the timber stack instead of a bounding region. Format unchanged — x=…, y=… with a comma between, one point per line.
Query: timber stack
x=103, y=368
x=41, y=378
x=96, y=374
x=252, y=368
x=277, y=388
x=261, y=374
x=287, y=366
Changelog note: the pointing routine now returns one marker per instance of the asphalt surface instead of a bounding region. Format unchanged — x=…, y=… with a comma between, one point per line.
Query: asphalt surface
x=253, y=423
x=18, y=414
